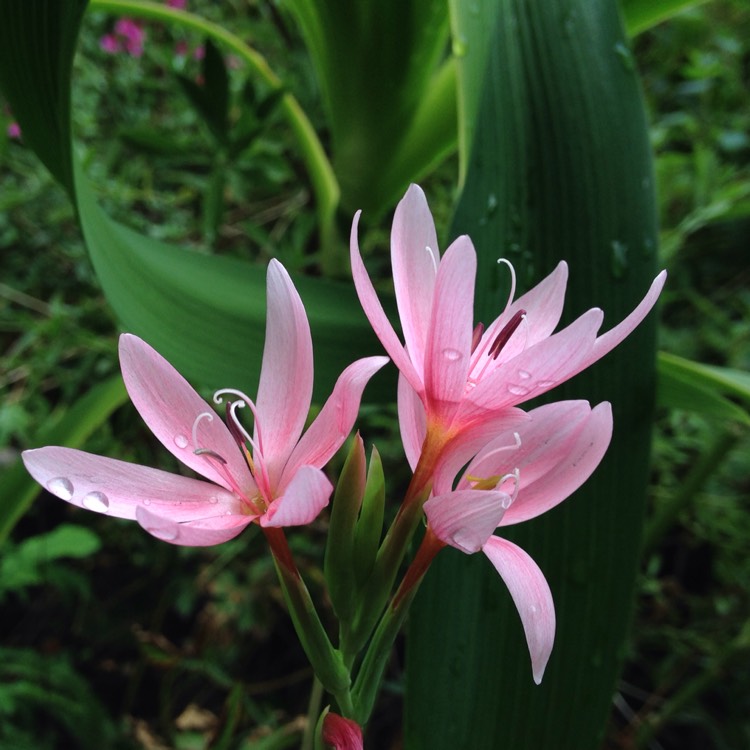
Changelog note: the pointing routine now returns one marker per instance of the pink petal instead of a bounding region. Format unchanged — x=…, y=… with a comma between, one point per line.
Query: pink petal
x=581, y=458
x=119, y=489
x=449, y=344
x=537, y=369
x=497, y=429
x=543, y=305
x=202, y=532
x=170, y=408
x=412, y=421
x=545, y=438
x=465, y=519
x=286, y=377
x=333, y=424
x=414, y=259
x=304, y=497
x=341, y=734
x=531, y=595
x=376, y=315
x=609, y=340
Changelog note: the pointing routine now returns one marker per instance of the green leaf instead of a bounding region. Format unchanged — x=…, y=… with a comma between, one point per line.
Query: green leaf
x=377, y=62
x=70, y=428
x=557, y=165
x=696, y=387
x=641, y=15
x=37, y=42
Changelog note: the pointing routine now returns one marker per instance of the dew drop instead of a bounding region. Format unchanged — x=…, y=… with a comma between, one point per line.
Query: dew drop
x=96, y=501
x=619, y=259
x=147, y=502
x=165, y=533
x=213, y=499
x=524, y=374
x=459, y=47
x=518, y=390
x=62, y=487
x=180, y=441
x=452, y=355
x=532, y=609
x=625, y=55
x=545, y=384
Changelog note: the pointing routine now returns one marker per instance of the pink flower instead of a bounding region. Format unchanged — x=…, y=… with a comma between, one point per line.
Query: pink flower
x=466, y=378
x=521, y=474
x=14, y=131
x=128, y=36
x=272, y=477
x=341, y=734
x=178, y=4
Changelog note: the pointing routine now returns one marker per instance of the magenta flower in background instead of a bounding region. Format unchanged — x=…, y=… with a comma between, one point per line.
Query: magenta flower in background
x=14, y=131
x=466, y=378
x=273, y=477
x=521, y=474
x=341, y=734
x=178, y=4
x=128, y=36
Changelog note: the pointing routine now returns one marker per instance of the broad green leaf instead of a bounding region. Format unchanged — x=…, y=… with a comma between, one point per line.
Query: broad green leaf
x=71, y=428
x=558, y=165
x=37, y=41
x=377, y=63
x=696, y=387
x=641, y=15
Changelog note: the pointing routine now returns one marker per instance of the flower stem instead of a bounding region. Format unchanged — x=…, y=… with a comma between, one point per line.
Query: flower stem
x=313, y=709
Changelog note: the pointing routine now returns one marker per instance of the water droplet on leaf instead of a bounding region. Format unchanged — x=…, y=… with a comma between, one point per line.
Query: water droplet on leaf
x=96, y=501
x=61, y=487
x=619, y=260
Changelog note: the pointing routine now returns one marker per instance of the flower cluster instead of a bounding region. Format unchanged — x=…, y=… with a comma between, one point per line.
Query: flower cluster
x=479, y=461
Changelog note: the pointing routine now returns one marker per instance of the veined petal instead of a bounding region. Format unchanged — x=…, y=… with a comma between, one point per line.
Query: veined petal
x=333, y=424
x=544, y=439
x=170, y=408
x=543, y=305
x=412, y=421
x=609, y=340
x=377, y=317
x=582, y=455
x=531, y=595
x=449, y=343
x=537, y=369
x=286, y=378
x=201, y=532
x=118, y=488
x=465, y=519
x=304, y=497
x=497, y=430
x=414, y=260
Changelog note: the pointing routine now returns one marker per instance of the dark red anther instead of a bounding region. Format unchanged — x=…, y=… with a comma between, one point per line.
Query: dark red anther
x=508, y=330
x=476, y=337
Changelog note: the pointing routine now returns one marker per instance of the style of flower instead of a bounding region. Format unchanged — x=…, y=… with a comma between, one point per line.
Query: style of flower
x=519, y=475
x=273, y=477
x=467, y=378
x=341, y=734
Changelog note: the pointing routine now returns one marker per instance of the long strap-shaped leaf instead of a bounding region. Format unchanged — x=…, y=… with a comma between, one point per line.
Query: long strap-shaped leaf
x=205, y=314
x=559, y=166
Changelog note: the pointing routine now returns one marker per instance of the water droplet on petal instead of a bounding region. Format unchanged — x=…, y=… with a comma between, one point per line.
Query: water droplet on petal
x=532, y=609
x=165, y=533
x=518, y=390
x=96, y=501
x=62, y=487
x=524, y=374
x=452, y=355
x=180, y=441
x=147, y=502
x=545, y=384
x=213, y=499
